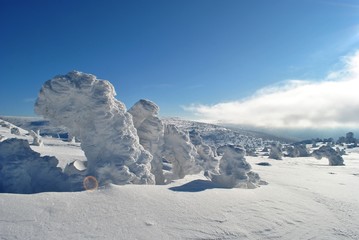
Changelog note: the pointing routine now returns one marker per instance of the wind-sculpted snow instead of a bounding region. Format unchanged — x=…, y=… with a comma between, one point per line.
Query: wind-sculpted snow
x=88, y=108
x=335, y=159
x=234, y=170
x=150, y=130
x=23, y=171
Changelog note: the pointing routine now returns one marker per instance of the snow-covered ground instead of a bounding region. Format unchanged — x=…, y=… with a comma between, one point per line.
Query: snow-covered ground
x=305, y=199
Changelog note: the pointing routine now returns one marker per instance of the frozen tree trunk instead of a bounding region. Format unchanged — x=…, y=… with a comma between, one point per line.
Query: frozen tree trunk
x=88, y=108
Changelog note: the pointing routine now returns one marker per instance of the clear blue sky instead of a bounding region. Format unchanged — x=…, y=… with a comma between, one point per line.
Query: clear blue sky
x=173, y=52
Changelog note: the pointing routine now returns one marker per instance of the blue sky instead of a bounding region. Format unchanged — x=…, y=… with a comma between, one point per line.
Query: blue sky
x=179, y=54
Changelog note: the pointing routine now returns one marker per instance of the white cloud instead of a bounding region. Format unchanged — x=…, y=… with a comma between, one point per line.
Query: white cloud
x=330, y=103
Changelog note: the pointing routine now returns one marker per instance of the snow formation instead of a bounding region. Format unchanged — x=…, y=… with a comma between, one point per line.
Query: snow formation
x=23, y=171
x=169, y=144
x=335, y=159
x=276, y=151
x=37, y=141
x=179, y=151
x=205, y=155
x=88, y=108
x=150, y=130
x=297, y=150
x=234, y=170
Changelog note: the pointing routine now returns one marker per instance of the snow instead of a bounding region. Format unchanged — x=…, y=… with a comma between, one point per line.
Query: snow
x=305, y=199
x=332, y=155
x=150, y=130
x=234, y=170
x=315, y=205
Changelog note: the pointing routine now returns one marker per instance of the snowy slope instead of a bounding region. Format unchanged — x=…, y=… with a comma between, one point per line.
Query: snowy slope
x=305, y=199
x=215, y=135
x=211, y=133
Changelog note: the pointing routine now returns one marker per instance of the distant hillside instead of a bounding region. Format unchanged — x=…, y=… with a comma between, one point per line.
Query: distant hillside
x=36, y=123
x=212, y=134
x=216, y=135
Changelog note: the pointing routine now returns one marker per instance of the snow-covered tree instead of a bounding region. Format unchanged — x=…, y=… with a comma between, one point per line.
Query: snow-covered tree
x=179, y=151
x=88, y=108
x=276, y=151
x=150, y=130
x=234, y=170
x=205, y=157
x=335, y=159
x=37, y=141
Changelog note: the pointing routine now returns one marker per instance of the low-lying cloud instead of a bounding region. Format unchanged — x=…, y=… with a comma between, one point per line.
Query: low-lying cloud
x=330, y=103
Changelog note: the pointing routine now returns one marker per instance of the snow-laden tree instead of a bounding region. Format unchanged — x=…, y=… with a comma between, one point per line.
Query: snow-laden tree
x=180, y=152
x=234, y=170
x=168, y=144
x=276, y=151
x=292, y=151
x=37, y=141
x=205, y=156
x=88, y=108
x=335, y=159
x=150, y=130
x=297, y=150
x=24, y=171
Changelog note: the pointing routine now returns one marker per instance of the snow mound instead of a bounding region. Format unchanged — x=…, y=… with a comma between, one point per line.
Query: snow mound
x=23, y=171
x=234, y=170
x=88, y=108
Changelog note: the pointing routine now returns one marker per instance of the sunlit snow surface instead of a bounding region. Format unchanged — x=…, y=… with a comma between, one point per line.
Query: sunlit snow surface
x=305, y=199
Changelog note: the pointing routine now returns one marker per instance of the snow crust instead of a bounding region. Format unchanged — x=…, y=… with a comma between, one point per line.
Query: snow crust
x=88, y=108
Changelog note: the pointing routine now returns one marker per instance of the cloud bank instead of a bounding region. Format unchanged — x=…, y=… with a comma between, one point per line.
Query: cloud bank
x=332, y=102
